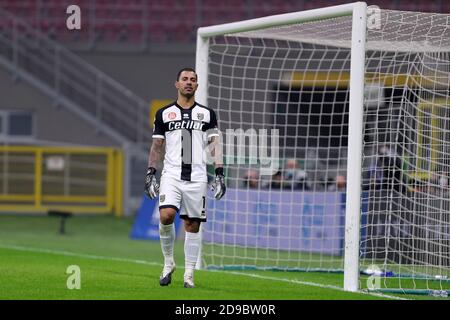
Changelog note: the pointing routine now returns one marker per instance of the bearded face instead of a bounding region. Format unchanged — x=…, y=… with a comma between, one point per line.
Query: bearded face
x=187, y=84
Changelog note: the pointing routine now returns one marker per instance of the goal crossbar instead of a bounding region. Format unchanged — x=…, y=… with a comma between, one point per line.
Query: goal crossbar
x=279, y=20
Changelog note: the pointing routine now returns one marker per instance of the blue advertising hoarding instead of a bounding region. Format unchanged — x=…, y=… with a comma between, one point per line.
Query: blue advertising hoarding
x=146, y=223
x=282, y=220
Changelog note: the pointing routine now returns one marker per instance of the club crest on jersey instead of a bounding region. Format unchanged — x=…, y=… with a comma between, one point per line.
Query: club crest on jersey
x=172, y=115
x=162, y=197
x=200, y=116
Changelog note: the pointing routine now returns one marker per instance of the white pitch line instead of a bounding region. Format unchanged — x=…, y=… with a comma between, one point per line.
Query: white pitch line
x=251, y=275
x=74, y=254
x=313, y=284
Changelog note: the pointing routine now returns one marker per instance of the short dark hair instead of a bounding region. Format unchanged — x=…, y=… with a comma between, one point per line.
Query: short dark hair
x=186, y=69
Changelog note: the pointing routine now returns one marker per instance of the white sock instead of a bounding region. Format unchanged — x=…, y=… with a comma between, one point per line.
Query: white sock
x=191, y=251
x=167, y=239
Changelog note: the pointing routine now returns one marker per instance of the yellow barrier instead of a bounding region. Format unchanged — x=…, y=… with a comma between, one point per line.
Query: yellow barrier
x=80, y=180
x=429, y=133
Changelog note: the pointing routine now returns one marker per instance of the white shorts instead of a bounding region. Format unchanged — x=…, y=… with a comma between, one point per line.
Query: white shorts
x=187, y=197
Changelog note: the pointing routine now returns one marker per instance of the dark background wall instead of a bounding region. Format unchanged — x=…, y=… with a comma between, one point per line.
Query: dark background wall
x=52, y=123
x=151, y=75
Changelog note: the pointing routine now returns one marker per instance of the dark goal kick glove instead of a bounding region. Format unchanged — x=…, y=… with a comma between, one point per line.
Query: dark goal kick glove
x=218, y=186
x=151, y=186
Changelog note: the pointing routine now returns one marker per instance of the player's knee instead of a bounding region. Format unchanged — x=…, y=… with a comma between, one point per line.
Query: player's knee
x=167, y=215
x=192, y=226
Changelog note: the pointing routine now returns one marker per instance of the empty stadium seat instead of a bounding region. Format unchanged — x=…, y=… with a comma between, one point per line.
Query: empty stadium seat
x=134, y=32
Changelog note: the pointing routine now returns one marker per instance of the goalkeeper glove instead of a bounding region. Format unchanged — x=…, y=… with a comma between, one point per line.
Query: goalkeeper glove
x=218, y=186
x=151, y=186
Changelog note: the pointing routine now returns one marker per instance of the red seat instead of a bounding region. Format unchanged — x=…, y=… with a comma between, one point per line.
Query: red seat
x=182, y=32
x=426, y=6
x=157, y=32
x=106, y=31
x=134, y=33
x=43, y=26
x=445, y=7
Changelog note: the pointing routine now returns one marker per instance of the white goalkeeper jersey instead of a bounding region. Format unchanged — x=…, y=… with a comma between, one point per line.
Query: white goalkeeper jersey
x=187, y=132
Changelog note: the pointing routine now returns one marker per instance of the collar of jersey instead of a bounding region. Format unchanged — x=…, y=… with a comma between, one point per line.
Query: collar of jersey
x=190, y=108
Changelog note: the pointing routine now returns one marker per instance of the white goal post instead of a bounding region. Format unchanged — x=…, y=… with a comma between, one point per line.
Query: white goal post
x=310, y=74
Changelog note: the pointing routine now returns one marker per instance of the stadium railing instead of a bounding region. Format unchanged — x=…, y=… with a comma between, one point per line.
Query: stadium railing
x=72, y=82
x=76, y=179
x=79, y=87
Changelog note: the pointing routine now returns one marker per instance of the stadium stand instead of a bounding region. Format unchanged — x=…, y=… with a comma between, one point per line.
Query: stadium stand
x=153, y=21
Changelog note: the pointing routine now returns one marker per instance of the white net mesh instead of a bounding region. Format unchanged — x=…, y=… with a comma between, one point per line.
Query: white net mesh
x=295, y=79
x=406, y=207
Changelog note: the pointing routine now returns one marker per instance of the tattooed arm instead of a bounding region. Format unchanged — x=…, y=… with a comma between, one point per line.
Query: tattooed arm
x=216, y=151
x=156, y=153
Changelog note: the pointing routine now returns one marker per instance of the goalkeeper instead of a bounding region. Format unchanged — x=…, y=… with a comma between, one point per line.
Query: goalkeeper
x=185, y=128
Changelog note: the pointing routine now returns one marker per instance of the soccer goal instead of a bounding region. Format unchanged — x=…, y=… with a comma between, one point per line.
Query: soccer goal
x=336, y=131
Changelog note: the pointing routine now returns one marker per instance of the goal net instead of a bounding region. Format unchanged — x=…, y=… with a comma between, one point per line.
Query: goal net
x=282, y=94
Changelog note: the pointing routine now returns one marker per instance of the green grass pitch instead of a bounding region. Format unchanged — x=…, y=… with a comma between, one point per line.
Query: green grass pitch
x=34, y=260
